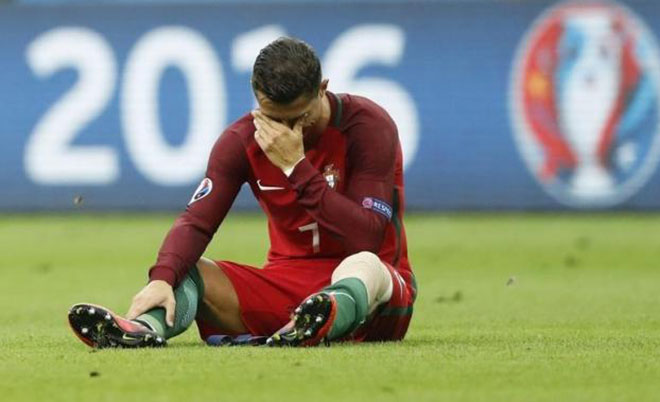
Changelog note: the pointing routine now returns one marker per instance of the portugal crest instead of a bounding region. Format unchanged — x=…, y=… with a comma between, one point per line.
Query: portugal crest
x=331, y=175
x=584, y=102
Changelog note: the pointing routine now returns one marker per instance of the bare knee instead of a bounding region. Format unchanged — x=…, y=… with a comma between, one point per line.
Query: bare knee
x=368, y=268
x=357, y=264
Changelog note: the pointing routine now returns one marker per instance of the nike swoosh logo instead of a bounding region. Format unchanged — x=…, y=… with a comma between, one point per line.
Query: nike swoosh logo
x=268, y=188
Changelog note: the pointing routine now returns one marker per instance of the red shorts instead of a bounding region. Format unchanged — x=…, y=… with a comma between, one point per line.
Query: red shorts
x=268, y=296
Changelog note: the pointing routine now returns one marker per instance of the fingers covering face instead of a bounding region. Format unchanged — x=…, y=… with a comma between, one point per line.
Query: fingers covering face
x=266, y=122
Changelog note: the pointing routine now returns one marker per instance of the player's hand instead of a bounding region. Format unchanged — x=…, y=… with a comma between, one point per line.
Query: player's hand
x=282, y=145
x=156, y=294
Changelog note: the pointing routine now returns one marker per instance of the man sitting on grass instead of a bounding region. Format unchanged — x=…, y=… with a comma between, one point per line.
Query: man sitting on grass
x=327, y=171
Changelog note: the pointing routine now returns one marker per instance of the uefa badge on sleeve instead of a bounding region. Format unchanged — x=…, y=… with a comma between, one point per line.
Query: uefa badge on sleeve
x=584, y=103
x=204, y=189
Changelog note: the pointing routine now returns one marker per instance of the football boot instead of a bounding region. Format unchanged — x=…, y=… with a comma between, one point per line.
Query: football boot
x=100, y=328
x=310, y=323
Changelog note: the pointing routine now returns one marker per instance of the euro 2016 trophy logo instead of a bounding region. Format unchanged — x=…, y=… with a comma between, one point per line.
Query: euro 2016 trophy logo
x=584, y=103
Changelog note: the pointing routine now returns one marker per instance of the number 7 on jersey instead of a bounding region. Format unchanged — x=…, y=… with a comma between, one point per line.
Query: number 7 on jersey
x=316, y=238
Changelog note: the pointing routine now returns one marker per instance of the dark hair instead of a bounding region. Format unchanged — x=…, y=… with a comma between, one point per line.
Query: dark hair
x=286, y=69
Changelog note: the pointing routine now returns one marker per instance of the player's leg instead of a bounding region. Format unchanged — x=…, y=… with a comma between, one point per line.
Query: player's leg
x=205, y=292
x=220, y=306
x=391, y=320
x=359, y=284
x=205, y=288
x=187, y=296
x=268, y=296
x=100, y=327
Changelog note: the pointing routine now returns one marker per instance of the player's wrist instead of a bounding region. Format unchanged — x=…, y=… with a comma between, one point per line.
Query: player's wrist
x=159, y=283
x=287, y=171
x=162, y=273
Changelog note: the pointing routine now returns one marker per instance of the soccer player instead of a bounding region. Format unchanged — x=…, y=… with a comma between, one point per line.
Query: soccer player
x=327, y=171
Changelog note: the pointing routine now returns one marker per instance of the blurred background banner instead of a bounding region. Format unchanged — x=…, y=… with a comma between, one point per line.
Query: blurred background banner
x=500, y=105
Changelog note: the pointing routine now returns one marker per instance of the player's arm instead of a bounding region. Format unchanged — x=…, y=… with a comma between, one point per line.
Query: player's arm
x=193, y=229
x=360, y=217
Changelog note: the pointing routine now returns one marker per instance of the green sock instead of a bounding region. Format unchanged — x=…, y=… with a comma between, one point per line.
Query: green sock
x=187, y=296
x=351, y=296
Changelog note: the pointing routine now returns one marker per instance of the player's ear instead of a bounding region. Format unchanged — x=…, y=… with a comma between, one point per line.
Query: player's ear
x=323, y=87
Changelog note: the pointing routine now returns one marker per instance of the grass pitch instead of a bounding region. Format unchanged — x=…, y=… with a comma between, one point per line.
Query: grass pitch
x=512, y=307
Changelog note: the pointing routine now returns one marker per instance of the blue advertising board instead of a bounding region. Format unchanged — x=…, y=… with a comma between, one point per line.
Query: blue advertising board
x=510, y=105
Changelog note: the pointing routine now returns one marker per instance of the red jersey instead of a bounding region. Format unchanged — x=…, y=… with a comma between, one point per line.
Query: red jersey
x=346, y=196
